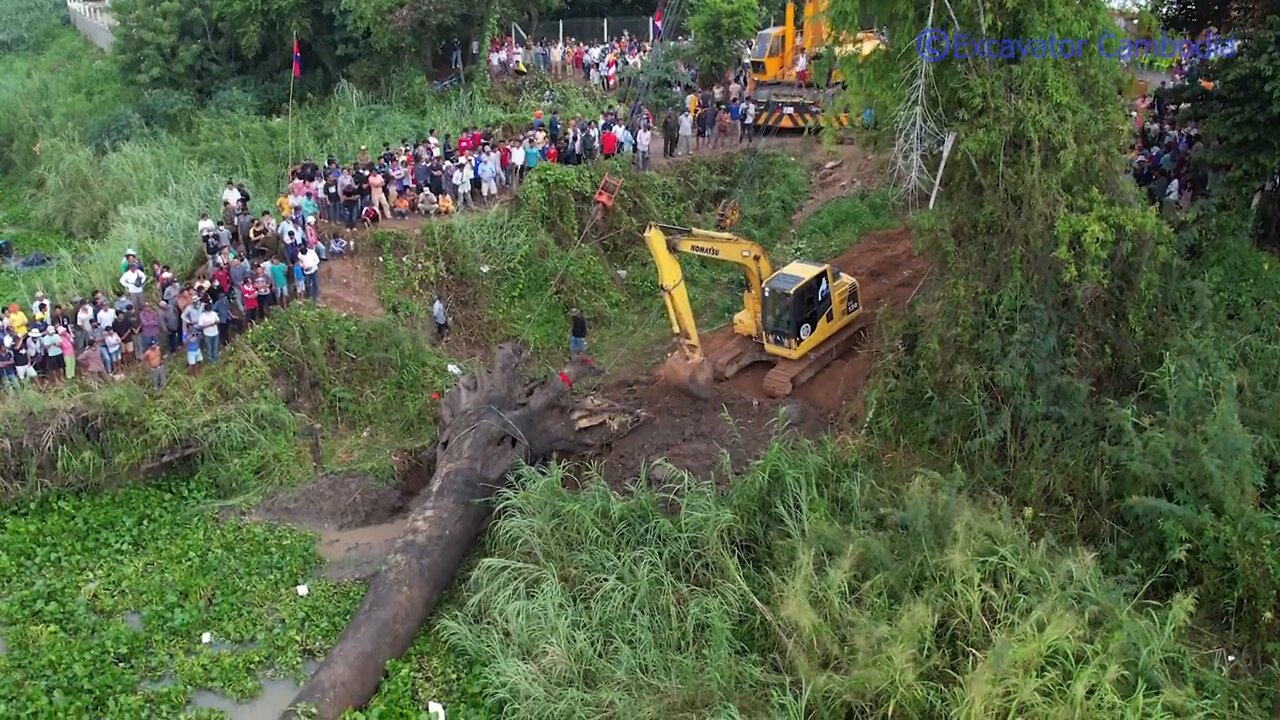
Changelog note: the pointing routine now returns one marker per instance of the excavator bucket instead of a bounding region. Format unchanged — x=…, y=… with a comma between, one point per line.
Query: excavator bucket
x=692, y=377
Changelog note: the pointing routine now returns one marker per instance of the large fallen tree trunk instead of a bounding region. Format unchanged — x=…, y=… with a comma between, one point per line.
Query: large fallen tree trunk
x=488, y=422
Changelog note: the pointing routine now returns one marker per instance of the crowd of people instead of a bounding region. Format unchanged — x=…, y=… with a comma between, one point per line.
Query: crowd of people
x=442, y=175
x=597, y=63
x=252, y=264
x=1163, y=143
x=258, y=260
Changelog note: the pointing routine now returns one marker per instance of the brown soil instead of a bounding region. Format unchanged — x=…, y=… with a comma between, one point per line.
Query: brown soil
x=346, y=286
x=713, y=438
x=839, y=170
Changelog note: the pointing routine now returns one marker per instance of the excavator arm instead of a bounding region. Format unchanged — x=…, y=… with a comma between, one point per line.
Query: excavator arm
x=664, y=241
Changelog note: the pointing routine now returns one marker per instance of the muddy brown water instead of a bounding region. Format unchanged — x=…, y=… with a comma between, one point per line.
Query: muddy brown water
x=268, y=705
x=273, y=700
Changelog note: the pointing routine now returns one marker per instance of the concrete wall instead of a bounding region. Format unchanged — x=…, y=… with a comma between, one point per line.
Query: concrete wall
x=93, y=21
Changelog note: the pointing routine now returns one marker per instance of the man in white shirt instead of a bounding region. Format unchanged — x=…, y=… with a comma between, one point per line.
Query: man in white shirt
x=231, y=195
x=310, y=263
x=106, y=316
x=84, y=324
x=208, y=322
x=686, y=133
x=205, y=225
x=517, y=164
x=643, y=139
x=133, y=281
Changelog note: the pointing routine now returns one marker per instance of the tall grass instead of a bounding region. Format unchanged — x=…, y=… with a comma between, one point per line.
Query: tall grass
x=822, y=585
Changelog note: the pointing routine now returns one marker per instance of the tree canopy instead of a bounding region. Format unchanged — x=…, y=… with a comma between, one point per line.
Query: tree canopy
x=718, y=26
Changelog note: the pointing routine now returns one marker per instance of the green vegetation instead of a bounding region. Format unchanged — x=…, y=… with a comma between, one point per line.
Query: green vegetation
x=101, y=591
x=1060, y=502
x=517, y=272
x=1236, y=116
x=718, y=27
x=242, y=417
x=821, y=584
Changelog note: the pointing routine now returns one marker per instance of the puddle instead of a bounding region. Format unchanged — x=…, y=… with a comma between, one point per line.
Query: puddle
x=268, y=705
x=357, y=553
x=161, y=684
x=133, y=620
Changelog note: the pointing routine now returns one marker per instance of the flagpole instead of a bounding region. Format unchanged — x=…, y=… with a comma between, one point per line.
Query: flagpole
x=292, y=77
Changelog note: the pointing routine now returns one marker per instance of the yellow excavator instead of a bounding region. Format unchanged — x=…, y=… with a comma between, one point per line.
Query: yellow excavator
x=800, y=318
x=783, y=98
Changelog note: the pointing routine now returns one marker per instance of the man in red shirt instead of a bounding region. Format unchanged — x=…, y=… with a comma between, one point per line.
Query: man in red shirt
x=464, y=140
x=477, y=138
x=608, y=143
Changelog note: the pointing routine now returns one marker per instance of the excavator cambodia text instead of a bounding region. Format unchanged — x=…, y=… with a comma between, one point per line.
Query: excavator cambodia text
x=800, y=318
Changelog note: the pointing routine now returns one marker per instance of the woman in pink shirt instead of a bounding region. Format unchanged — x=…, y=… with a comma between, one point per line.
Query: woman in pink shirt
x=68, y=352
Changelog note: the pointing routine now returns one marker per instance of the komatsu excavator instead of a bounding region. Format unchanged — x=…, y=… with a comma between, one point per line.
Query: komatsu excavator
x=799, y=318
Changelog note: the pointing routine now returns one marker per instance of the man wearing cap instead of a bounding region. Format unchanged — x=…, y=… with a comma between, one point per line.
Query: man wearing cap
x=35, y=304
x=134, y=280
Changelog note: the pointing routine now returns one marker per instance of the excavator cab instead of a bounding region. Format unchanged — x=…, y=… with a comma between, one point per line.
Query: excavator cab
x=804, y=303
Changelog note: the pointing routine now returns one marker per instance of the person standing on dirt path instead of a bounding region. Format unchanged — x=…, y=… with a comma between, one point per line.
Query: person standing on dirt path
x=310, y=263
x=735, y=120
x=155, y=365
x=643, y=139
x=441, y=319
x=686, y=134
x=670, y=134
x=577, y=333
x=721, y=128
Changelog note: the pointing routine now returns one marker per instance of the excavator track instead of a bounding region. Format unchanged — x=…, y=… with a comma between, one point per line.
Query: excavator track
x=736, y=353
x=787, y=374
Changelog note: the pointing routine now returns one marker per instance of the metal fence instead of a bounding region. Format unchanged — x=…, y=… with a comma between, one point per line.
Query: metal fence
x=93, y=21
x=590, y=29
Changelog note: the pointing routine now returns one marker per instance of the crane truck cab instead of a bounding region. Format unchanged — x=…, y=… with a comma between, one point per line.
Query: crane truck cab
x=804, y=304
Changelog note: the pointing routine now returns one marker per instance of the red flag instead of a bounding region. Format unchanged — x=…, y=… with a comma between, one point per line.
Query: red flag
x=297, y=59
